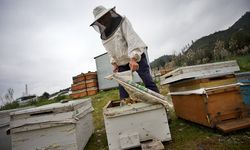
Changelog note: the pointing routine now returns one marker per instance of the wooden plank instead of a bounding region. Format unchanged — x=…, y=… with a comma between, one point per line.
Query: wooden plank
x=234, y=125
x=152, y=145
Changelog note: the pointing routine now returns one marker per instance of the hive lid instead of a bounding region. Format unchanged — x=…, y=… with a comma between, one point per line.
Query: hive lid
x=243, y=77
x=243, y=74
x=50, y=115
x=201, y=91
x=5, y=116
x=128, y=109
x=55, y=107
x=200, y=71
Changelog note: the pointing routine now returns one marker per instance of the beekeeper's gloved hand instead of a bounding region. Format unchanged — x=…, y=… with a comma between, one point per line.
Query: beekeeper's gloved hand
x=133, y=64
x=115, y=67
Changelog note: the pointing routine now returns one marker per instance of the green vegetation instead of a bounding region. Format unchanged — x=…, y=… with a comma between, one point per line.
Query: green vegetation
x=161, y=61
x=185, y=134
x=98, y=141
x=42, y=101
x=234, y=39
x=230, y=44
x=11, y=105
x=188, y=135
x=244, y=62
x=233, y=43
x=39, y=102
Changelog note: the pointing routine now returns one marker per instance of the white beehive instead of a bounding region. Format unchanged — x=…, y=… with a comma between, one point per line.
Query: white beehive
x=128, y=126
x=56, y=126
x=5, y=140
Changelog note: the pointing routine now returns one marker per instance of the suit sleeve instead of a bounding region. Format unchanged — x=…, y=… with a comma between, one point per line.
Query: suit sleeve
x=135, y=45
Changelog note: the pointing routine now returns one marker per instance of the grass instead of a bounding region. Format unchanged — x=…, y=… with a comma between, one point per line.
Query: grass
x=185, y=134
x=244, y=62
x=188, y=135
x=98, y=141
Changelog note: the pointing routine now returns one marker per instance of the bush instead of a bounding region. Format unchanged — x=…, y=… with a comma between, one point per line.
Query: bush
x=61, y=97
x=12, y=105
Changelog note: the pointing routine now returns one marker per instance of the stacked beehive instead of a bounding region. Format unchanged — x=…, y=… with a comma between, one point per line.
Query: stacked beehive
x=91, y=83
x=84, y=85
x=78, y=87
x=209, y=95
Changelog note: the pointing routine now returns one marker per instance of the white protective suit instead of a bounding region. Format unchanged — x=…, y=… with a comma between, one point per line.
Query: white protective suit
x=124, y=44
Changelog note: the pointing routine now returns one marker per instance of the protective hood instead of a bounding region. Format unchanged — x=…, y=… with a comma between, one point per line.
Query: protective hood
x=106, y=30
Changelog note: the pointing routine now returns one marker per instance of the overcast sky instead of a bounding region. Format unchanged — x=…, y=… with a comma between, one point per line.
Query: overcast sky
x=43, y=43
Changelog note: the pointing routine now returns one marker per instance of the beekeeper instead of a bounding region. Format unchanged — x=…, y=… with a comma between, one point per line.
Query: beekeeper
x=125, y=48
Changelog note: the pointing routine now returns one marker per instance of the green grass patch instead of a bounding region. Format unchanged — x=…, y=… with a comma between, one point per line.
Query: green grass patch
x=244, y=62
x=185, y=134
x=98, y=141
x=11, y=105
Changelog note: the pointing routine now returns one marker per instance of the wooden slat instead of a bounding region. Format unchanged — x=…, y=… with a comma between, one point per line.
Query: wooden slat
x=152, y=145
x=234, y=125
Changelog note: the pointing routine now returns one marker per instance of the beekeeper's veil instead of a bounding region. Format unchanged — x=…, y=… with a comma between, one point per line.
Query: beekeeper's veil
x=106, y=30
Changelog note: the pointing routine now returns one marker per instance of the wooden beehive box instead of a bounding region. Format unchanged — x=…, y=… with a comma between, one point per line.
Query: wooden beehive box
x=79, y=78
x=91, y=75
x=79, y=94
x=212, y=106
x=127, y=126
x=91, y=83
x=78, y=86
x=55, y=126
x=92, y=91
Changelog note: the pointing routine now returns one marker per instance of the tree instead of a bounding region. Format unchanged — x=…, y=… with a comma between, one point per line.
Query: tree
x=220, y=52
x=7, y=101
x=1, y=100
x=45, y=95
x=9, y=95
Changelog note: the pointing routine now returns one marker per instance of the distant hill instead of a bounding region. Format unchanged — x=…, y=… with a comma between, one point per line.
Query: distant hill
x=219, y=46
x=161, y=61
x=235, y=37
